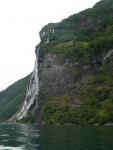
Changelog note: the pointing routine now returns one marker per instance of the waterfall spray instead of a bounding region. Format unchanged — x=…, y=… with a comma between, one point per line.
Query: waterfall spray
x=30, y=102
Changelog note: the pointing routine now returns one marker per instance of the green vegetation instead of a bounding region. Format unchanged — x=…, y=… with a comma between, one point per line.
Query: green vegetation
x=88, y=32
x=12, y=98
x=99, y=97
x=95, y=104
x=84, y=36
x=30, y=118
x=58, y=111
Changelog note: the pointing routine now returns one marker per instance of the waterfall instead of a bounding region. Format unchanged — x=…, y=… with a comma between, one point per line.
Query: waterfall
x=30, y=102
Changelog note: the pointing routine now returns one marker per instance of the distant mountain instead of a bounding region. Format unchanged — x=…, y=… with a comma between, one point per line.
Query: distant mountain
x=11, y=99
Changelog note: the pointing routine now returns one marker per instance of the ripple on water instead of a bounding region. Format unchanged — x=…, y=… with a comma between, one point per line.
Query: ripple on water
x=4, y=140
x=11, y=148
x=4, y=135
x=18, y=137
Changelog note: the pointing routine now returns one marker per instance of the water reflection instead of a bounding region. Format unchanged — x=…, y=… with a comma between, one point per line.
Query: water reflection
x=18, y=137
x=76, y=138
x=34, y=137
x=28, y=135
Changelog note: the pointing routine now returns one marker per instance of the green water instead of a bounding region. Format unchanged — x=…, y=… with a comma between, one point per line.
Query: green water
x=34, y=137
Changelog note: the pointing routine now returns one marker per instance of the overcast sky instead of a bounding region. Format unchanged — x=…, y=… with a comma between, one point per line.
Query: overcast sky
x=20, y=23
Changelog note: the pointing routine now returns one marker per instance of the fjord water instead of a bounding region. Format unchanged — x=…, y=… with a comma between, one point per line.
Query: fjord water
x=35, y=137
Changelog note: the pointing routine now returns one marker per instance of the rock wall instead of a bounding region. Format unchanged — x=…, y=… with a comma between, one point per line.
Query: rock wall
x=56, y=76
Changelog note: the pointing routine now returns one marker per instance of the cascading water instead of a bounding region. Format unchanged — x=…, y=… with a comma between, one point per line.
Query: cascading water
x=30, y=102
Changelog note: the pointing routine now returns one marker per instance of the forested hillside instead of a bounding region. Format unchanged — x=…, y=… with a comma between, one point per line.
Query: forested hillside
x=90, y=31
x=11, y=99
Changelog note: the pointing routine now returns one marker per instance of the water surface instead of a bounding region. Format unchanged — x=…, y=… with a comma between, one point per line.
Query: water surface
x=35, y=137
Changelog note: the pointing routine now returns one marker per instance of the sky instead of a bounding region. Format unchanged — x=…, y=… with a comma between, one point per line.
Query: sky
x=20, y=23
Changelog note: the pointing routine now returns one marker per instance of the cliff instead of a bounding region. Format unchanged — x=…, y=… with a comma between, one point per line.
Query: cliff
x=72, y=81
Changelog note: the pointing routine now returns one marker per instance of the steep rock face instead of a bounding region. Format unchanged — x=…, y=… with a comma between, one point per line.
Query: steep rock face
x=56, y=76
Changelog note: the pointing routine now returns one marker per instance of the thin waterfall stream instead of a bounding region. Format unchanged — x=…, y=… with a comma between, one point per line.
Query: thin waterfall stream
x=31, y=93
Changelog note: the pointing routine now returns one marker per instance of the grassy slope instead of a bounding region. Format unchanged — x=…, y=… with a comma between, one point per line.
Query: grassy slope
x=12, y=98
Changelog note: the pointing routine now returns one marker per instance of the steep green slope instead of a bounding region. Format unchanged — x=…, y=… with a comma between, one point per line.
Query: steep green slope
x=88, y=32
x=89, y=102
x=12, y=98
x=84, y=44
